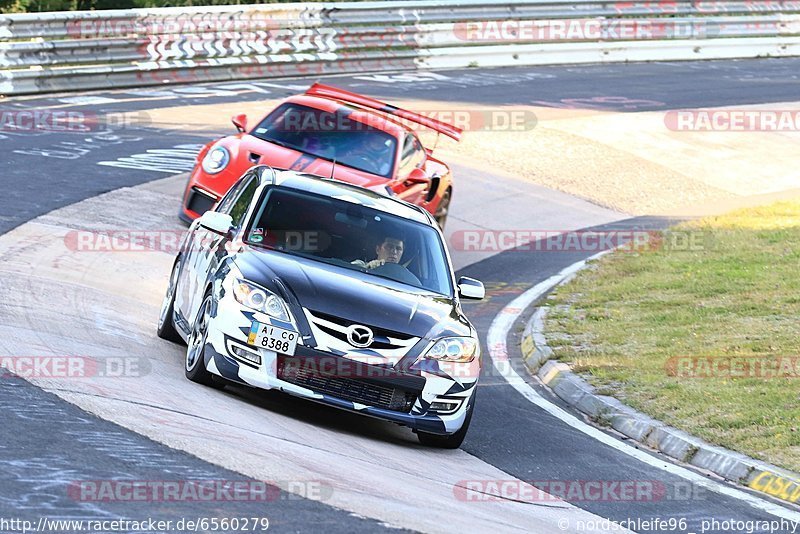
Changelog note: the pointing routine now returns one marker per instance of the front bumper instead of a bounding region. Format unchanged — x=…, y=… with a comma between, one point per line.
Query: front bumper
x=204, y=190
x=196, y=202
x=335, y=380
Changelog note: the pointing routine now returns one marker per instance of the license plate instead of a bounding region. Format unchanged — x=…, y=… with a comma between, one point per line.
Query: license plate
x=270, y=337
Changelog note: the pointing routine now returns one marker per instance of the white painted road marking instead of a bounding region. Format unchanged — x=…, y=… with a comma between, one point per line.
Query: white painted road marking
x=175, y=160
x=496, y=341
x=87, y=100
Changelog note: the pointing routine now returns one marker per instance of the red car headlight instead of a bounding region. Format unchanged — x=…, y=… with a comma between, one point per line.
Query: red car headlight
x=216, y=160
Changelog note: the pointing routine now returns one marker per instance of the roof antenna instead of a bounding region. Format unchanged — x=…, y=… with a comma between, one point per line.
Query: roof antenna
x=333, y=168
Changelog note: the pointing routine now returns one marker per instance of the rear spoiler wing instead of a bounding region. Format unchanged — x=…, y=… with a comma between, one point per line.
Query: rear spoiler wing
x=326, y=91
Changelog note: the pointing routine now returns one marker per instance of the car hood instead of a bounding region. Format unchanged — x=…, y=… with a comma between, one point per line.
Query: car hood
x=352, y=295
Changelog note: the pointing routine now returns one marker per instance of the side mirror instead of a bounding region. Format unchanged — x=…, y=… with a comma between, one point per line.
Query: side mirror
x=469, y=288
x=417, y=176
x=240, y=121
x=219, y=223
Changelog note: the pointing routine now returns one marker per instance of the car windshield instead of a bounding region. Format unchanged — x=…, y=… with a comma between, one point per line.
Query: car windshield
x=331, y=136
x=341, y=232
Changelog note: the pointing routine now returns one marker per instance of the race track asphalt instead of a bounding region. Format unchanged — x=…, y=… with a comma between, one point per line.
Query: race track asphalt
x=46, y=172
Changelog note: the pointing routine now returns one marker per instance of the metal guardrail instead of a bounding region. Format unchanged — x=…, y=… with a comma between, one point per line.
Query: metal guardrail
x=124, y=48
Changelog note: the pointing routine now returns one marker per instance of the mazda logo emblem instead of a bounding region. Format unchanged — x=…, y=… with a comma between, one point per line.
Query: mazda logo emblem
x=359, y=336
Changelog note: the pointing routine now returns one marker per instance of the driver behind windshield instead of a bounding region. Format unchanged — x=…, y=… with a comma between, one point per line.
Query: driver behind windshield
x=389, y=250
x=374, y=150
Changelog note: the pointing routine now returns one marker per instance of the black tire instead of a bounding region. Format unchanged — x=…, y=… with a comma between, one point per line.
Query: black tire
x=166, y=327
x=194, y=363
x=448, y=441
x=443, y=209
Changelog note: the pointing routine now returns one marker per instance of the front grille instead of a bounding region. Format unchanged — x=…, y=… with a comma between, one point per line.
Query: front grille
x=341, y=336
x=199, y=202
x=299, y=372
x=382, y=335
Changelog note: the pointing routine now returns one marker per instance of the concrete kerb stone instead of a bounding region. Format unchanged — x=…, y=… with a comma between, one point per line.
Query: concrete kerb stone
x=534, y=346
x=608, y=411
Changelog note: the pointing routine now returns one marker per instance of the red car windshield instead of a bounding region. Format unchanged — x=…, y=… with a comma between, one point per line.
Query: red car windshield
x=331, y=136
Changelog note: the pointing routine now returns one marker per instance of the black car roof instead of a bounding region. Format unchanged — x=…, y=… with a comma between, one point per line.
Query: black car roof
x=353, y=193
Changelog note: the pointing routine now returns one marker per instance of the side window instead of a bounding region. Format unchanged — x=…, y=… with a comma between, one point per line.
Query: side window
x=239, y=208
x=412, y=156
x=230, y=197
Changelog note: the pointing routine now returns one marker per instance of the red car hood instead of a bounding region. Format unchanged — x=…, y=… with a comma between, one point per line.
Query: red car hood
x=247, y=151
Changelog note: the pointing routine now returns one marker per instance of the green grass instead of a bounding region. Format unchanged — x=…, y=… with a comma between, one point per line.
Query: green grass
x=627, y=315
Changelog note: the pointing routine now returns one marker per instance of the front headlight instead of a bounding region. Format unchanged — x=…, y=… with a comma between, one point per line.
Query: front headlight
x=453, y=349
x=260, y=299
x=216, y=159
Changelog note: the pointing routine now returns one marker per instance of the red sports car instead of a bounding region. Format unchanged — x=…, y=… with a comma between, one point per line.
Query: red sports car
x=335, y=133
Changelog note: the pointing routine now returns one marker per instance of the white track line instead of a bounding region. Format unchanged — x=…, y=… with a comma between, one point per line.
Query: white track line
x=496, y=341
